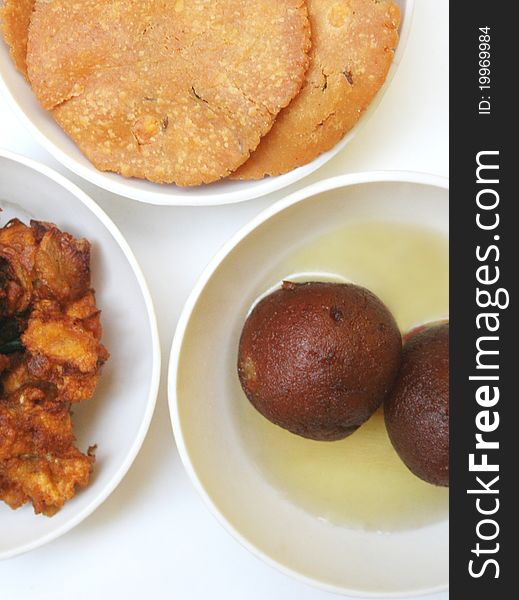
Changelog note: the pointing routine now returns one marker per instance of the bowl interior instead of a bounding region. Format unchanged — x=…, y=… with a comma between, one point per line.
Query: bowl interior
x=51, y=136
x=117, y=417
x=208, y=427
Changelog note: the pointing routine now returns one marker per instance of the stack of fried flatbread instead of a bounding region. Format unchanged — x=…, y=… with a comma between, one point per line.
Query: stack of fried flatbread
x=50, y=358
x=192, y=91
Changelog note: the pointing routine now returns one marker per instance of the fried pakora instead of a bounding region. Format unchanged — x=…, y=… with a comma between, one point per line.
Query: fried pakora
x=50, y=357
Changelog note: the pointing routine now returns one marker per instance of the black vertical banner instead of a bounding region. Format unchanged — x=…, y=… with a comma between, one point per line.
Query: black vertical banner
x=484, y=273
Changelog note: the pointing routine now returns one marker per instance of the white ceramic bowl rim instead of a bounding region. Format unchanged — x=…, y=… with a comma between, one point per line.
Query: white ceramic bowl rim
x=231, y=191
x=312, y=190
x=156, y=360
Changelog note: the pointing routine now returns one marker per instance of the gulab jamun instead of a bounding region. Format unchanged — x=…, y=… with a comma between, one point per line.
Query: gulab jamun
x=318, y=358
x=417, y=410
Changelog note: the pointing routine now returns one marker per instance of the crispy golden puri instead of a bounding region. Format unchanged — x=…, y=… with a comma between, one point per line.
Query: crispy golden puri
x=174, y=92
x=15, y=16
x=50, y=357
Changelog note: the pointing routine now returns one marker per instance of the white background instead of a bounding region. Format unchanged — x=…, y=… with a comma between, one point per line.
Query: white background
x=153, y=538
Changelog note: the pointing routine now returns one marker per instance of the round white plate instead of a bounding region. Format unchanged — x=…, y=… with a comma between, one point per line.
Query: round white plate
x=202, y=384
x=41, y=124
x=118, y=416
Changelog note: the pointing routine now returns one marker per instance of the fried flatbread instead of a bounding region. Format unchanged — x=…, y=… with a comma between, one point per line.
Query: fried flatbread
x=353, y=43
x=14, y=19
x=178, y=91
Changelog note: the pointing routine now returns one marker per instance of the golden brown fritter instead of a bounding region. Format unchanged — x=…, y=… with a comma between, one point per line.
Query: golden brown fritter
x=32, y=424
x=50, y=357
x=47, y=481
x=62, y=266
x=62, y=341
x=38, y=460
x=17, y=254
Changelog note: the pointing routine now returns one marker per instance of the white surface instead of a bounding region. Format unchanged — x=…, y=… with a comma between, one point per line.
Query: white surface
x=213, y=437
x=153, y=537
x=124, y=396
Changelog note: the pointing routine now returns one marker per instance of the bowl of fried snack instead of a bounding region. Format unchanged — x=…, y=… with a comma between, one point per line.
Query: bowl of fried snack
x=79, y=355
x=318, y=435
x=198, y=102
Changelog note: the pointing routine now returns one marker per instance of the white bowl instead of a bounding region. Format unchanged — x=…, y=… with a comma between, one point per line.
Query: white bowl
x=54, y=140
x=203, y=380
x=117, y=418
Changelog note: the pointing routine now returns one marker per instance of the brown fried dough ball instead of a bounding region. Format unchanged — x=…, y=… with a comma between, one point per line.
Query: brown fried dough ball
x=319, y=358
x=417, y=411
